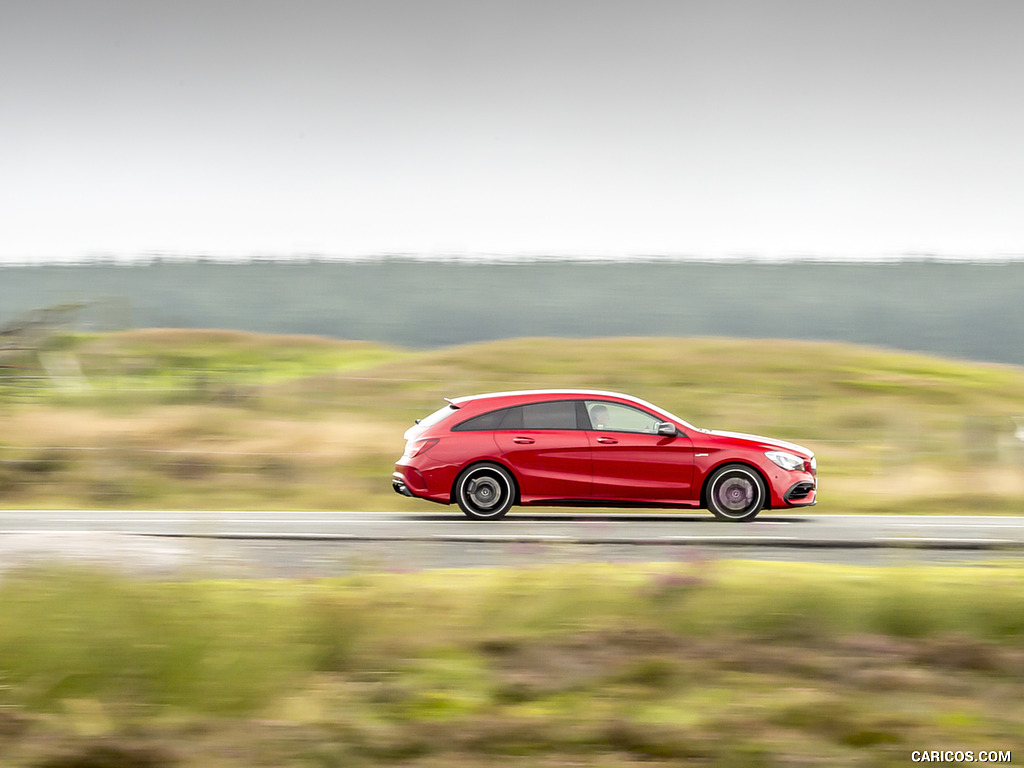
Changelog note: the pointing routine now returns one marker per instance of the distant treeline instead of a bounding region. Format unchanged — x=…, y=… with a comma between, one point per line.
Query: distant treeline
x=969, y=310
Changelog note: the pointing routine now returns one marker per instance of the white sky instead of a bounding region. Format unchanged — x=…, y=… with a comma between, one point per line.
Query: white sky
x=590, y=127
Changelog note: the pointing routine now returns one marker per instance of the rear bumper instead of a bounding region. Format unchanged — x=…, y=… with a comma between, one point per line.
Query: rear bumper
x=399, y=486
x=409, y=481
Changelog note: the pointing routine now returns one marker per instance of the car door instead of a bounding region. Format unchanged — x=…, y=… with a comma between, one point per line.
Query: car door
x=547, y=450
x=632, y=462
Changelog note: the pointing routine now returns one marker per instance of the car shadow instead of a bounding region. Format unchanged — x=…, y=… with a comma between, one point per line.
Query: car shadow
x=606, y=517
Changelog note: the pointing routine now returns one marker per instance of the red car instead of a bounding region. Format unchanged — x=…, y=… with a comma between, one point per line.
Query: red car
x=583, y=447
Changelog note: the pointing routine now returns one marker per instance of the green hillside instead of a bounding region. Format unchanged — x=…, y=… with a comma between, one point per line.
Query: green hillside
x=180, y=419
x=965, y=310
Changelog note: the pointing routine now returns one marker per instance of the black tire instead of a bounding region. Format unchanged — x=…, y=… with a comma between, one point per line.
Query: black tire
x=485, y=491
x=736, y=493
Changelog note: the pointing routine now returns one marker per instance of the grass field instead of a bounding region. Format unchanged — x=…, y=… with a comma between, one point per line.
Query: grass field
x=710, y=663
x=182, y=419
x=705, y=663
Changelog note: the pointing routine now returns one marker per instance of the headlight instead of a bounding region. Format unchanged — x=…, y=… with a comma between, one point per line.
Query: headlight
x=785, y=460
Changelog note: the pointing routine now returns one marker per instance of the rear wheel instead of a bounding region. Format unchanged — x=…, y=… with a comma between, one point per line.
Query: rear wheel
x=485, y=491
x=735, y=492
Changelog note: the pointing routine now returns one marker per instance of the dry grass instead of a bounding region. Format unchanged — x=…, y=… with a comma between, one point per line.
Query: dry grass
x=190, y=338
x=204, y=429
x=324, y=418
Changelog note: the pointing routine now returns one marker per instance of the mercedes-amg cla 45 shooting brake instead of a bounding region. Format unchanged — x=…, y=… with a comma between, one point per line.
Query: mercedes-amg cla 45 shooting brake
x=567, y=447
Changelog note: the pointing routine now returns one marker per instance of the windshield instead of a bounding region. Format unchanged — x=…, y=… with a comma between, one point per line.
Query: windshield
x=669, y=415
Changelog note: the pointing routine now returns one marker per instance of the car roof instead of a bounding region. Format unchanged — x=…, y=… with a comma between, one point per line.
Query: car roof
x=540, y=394
x=517, y=397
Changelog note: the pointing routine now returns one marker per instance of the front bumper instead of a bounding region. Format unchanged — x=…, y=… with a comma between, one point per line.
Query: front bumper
x=803, y=493
x=800, y=492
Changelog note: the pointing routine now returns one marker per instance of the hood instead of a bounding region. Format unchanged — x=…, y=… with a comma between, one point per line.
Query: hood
x=768, y=441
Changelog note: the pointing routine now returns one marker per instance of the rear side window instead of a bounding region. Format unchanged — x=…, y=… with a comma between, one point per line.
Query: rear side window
x=555, y=415
x=486, y=422
x=437, y=416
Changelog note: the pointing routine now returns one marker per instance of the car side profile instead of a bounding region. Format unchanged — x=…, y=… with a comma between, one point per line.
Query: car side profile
x=489, y=452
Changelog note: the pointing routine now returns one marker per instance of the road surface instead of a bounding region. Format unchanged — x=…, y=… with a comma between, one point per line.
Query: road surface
x=327, y=543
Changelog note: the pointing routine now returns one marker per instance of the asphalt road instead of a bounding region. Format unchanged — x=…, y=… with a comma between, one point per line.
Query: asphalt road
x=638, y=529
x=328, y=543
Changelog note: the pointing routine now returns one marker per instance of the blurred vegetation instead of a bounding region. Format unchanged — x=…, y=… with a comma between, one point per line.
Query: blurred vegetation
x=224, y=419
x=966, y=310
x=712, y=663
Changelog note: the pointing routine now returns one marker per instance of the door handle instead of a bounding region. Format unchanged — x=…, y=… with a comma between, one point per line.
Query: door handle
x=523, y=440
x=607, y=440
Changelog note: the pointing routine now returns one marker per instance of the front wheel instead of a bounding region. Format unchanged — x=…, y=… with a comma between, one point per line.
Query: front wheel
x=485, y=491
x=735, y=492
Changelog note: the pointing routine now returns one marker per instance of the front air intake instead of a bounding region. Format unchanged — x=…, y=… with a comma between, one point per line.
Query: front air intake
x=799, y=491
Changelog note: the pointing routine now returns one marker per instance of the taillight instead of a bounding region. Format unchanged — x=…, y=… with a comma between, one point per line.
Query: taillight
x=415, y=447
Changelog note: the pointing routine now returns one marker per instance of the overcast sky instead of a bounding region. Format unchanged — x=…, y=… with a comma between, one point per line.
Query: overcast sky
x=752, y=127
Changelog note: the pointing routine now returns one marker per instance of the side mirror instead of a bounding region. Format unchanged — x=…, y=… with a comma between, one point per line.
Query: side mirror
x=667, y=429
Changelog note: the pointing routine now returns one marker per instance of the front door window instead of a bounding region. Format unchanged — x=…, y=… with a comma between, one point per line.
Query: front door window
x=614, y=417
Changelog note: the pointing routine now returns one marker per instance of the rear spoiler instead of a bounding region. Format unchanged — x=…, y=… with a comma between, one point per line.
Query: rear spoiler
x=450, y=402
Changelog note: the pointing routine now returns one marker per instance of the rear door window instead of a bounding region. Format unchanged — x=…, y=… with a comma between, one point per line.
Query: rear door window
x=560, y=414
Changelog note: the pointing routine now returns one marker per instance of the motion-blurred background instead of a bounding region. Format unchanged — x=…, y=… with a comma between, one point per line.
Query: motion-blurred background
x=104, y=408
x=244, y=243
x=416, y=177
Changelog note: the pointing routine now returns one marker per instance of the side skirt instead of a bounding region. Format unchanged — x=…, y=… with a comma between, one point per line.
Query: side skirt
x=610, y=503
